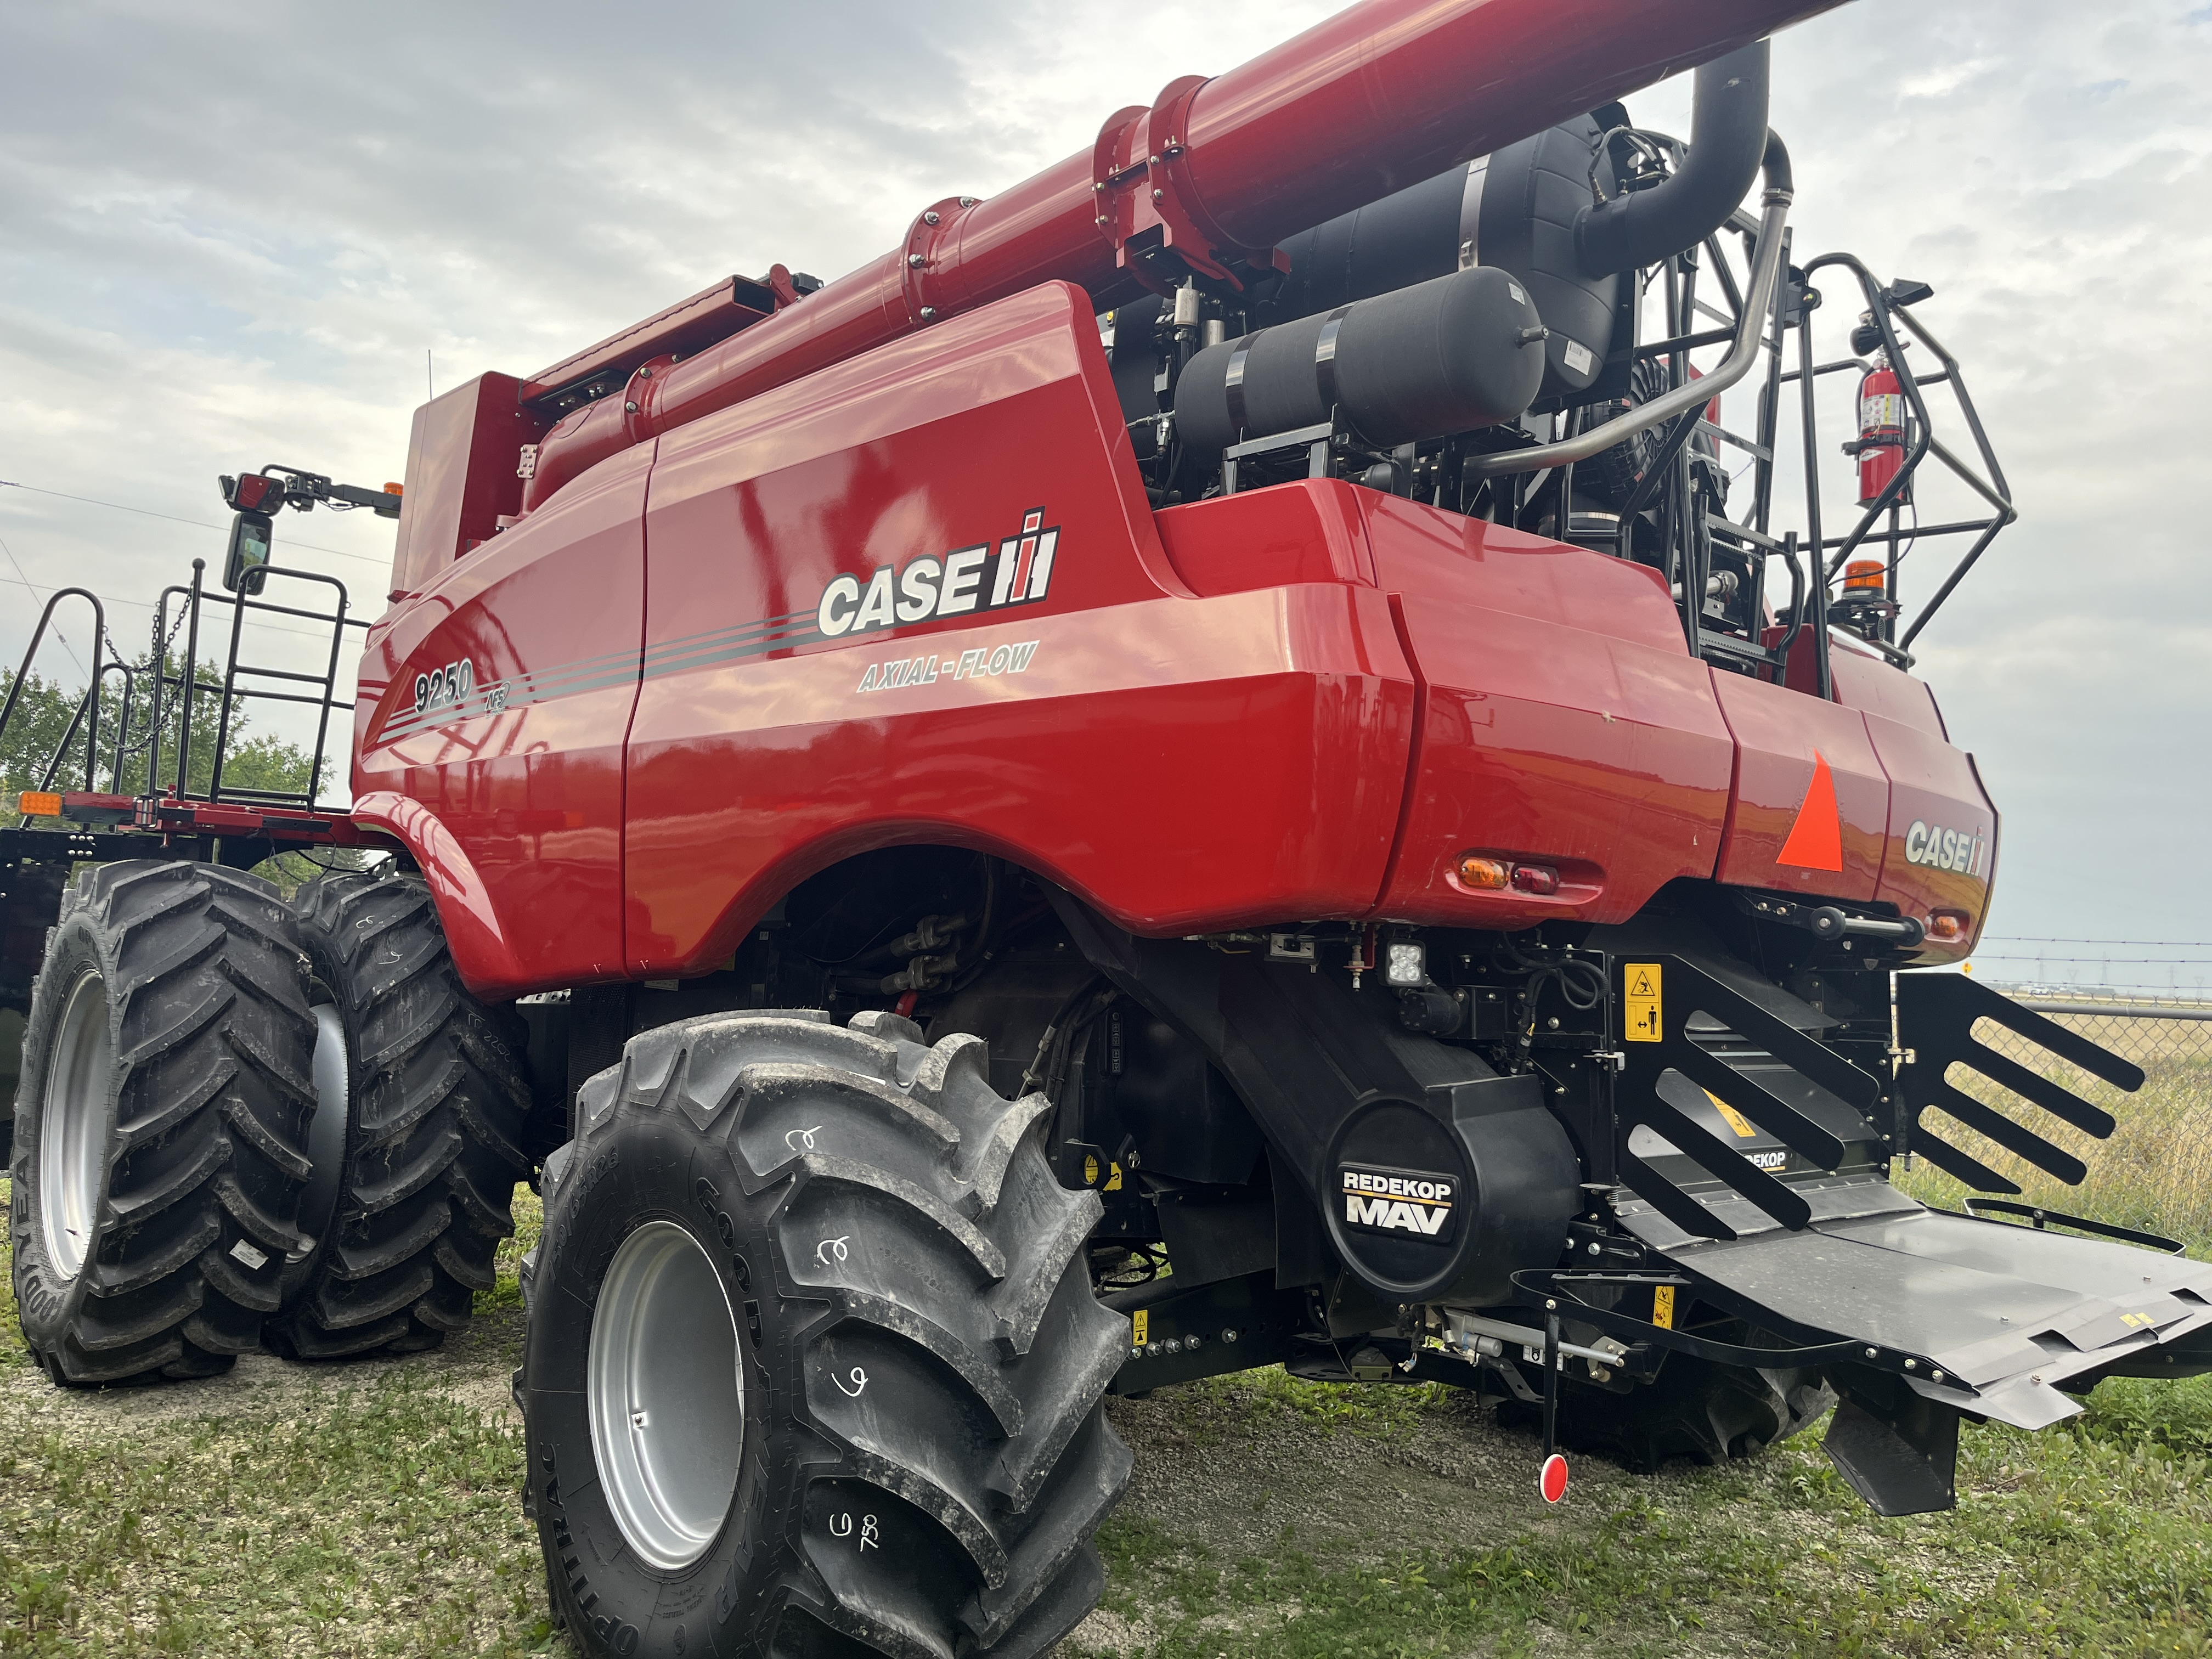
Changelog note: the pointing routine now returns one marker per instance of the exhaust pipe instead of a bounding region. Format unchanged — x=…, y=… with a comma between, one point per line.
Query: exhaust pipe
x=1728, y=140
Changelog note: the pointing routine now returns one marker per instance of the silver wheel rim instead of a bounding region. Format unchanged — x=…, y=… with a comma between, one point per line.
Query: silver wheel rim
x=73, y=1126
x=666, y=1395
x=326, y=1130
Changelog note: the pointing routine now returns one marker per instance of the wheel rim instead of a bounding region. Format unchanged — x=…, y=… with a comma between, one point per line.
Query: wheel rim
x=665, y=1395
x=73, y=1126
x=326, y=1130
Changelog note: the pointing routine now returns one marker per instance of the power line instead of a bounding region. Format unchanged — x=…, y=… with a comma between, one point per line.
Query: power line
x=58, y=635
x=141, y=604
x=199, y=524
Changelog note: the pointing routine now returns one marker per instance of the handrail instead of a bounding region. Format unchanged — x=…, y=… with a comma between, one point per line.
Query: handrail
x=92, y=693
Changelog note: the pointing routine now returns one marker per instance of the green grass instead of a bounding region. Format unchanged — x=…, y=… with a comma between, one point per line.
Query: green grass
x=372, y=1511
x=2092, y=1539
x=318, y=1511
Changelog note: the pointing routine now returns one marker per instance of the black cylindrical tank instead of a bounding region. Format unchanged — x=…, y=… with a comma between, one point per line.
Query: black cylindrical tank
x=1461, y=351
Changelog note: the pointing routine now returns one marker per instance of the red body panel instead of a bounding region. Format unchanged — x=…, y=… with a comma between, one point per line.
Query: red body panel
x=1563, y=722
x=919, y=597
x=523, y=773
x=1140, y=703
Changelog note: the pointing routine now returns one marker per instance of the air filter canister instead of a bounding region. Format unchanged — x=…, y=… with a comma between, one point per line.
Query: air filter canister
x=1447, y=355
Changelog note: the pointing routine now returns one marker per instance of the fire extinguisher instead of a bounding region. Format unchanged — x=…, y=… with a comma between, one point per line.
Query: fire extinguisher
x=1881, y=445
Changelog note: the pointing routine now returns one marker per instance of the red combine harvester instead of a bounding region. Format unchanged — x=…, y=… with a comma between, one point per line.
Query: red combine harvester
x=1220, y=709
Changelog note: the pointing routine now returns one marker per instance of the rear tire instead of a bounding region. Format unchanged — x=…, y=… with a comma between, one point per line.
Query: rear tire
x=418, y=1158
x=160, y=1124
x=916, y=1457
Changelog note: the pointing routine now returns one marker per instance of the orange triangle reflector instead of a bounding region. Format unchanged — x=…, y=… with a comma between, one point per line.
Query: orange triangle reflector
x=1816, y=840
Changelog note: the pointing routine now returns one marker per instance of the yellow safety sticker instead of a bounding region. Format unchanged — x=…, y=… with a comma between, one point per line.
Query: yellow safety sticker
x=1736, y=1121
x=1662, y=1307
x=1140, y=1325
x=1090, y=1174
x=2139, y=1319
x=1640, y=1006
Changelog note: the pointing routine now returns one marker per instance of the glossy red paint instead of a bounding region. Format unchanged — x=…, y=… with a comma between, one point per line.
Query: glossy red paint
x=1380, y=96
x=1141, y=703
x=1297, y=703
x=1778, y=732
x=1563, y=722
x=523, y=778
x=460, y=476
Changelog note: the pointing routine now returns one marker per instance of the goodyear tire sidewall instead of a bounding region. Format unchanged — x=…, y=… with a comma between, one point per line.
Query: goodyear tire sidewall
x=646, y=1166
x=46, y=1302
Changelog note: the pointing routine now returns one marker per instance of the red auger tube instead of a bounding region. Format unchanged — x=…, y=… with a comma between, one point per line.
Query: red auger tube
x=1217, y=171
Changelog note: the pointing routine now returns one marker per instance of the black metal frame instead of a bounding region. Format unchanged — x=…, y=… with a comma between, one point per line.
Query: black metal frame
x=1692, y=530
x=189, y=689
x=237, y=684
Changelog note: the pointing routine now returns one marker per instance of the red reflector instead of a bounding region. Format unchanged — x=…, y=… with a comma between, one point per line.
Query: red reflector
x=1535, y=878
x=1552, y=1479
x=255, y=492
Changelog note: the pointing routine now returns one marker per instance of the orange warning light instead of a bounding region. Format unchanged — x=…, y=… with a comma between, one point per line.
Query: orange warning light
x=1476, y=871
x=1863, y=576
x=394, y=489
x=38, y=804
x=1947, y=927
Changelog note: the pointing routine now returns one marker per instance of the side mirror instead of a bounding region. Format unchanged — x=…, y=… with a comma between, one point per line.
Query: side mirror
x=250, y=542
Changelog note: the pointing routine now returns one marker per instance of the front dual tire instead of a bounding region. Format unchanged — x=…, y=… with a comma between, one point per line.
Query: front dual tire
x=814, y=1365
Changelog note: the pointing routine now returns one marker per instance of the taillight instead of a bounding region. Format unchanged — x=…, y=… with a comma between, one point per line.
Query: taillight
x=1535, y=878
x=253, y=492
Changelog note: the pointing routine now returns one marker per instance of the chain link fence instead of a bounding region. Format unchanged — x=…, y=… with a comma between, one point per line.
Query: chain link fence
x=2154, y=1172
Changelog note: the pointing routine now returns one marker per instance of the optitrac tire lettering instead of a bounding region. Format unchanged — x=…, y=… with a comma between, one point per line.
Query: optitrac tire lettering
x=924, y=1453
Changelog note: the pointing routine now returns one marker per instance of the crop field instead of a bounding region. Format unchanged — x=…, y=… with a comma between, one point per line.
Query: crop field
x=370, y=1508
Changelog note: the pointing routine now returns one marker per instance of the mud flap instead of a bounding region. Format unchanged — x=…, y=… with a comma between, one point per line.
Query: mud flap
x=1899, y=1451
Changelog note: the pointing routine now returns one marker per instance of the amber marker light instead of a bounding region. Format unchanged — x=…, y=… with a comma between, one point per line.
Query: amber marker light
x=1476, y=870
x=38, y=804
x=1947, y=928
x=1863, y=576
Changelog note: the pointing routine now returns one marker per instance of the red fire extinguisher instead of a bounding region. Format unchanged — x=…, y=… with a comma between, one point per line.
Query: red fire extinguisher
x=1881, y=430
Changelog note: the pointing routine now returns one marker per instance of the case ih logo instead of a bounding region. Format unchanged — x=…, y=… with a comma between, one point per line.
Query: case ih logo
x=966, y=580
x=1380, y=1200
x=1944, y=849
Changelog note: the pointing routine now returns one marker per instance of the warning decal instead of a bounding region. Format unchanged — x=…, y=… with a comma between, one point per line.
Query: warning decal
x=1736, y=1121
x=1816, y=839
x=1639, y=1005
x=1662, y=1307
x=1140, y=1328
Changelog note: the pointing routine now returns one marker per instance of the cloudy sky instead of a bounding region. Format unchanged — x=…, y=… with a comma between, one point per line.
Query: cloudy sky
x=233, y=233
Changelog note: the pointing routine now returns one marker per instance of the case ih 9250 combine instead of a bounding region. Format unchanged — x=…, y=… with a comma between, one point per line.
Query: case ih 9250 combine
x=1274, y=750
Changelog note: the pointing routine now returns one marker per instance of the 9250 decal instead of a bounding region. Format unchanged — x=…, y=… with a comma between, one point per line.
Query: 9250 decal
x=962, y=582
